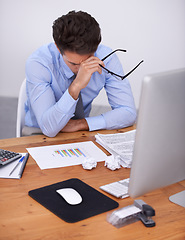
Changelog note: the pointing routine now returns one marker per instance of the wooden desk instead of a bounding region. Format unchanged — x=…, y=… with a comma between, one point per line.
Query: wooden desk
x=23, y=218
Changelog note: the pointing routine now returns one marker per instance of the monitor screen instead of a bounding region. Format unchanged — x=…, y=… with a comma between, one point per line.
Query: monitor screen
x=159, y=150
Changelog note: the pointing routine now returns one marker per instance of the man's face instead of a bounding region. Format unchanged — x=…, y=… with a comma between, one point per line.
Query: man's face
x=73, y=60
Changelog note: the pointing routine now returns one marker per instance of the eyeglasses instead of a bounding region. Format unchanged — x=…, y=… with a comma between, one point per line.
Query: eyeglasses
x=112, y=73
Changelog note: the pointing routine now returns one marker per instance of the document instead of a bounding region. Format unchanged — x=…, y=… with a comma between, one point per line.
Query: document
x=66, y=154
x=14, y=169
x=121, y=144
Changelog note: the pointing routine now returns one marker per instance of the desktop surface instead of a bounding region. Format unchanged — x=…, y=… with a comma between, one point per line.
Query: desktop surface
x=24, y=218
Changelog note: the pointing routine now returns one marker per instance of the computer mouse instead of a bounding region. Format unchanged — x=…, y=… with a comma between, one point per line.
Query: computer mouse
x=71, y=196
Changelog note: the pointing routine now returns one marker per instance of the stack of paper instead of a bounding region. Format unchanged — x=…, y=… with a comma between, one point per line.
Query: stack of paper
x=121, y=144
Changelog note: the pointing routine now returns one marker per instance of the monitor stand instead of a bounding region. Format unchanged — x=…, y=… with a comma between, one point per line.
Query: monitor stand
x=178, y=198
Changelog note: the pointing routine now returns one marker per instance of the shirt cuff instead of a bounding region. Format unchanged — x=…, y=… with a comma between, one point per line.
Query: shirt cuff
x=96, y=123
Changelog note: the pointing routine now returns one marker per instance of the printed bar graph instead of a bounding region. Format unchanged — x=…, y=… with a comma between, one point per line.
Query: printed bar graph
x=76, y=152
x=79, y=152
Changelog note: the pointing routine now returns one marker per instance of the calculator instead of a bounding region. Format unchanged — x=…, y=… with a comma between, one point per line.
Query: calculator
x=8, y=156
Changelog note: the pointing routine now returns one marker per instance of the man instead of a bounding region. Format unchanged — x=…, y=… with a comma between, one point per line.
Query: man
x=61, y=73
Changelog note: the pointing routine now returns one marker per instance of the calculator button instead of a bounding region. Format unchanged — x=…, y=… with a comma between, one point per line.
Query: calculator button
x=4, y=159
x=7, y=157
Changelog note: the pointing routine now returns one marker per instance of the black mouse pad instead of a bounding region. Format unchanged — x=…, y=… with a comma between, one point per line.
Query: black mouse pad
x=93, y=202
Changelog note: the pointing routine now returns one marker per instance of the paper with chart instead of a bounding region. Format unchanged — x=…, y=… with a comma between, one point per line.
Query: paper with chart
x=66, y=154
x=121, y=144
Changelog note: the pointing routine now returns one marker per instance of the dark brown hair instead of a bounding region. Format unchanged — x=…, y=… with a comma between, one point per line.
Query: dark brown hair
x=77, y=32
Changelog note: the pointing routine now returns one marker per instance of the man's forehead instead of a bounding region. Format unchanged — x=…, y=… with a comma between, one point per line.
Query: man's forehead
x=75, y=58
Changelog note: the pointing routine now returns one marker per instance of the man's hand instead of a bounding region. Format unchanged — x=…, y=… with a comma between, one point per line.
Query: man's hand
x=87, y=68
x=75, y=125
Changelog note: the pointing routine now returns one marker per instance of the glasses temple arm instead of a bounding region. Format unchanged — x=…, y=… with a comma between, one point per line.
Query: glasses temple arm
x=132, y=70
x=110, y=71
x=122, y=50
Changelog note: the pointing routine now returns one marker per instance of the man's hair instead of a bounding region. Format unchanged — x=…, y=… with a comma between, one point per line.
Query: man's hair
x=77, y=32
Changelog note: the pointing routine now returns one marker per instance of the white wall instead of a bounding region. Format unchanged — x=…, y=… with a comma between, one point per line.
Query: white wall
x=153, y=30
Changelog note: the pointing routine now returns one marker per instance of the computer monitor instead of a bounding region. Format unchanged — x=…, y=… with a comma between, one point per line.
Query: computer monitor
x=159, y=150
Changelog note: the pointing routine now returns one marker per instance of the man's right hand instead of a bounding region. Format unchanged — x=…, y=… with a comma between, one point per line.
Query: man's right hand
x=76, y=125
x=87, y=68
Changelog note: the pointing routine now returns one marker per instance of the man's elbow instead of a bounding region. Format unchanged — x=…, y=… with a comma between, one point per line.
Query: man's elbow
x=130, y=118
x=133, y=118
x=49, y=132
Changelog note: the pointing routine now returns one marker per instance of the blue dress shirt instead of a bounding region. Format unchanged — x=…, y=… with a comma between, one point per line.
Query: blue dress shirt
x=50, y=106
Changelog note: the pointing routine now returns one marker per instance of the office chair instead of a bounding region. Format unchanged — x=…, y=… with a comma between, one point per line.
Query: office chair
x=21, y=129
x=20, y=109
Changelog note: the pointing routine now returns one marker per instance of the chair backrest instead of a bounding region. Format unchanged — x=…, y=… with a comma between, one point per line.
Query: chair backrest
x=21, y=109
